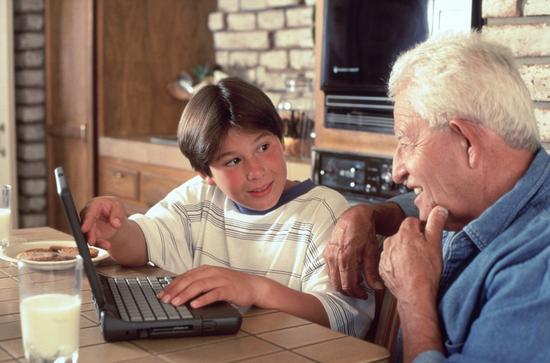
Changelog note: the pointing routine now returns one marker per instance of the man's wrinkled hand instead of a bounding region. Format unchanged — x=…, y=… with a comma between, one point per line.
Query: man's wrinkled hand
x=411, y=262
x=353, y=246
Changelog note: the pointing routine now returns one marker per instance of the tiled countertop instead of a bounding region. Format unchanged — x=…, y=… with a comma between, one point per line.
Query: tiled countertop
x=265, y=335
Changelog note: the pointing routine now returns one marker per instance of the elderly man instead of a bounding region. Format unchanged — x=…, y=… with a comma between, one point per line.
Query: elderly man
x=471, y=275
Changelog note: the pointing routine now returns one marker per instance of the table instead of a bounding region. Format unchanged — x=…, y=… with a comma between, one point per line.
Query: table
x=265, y=336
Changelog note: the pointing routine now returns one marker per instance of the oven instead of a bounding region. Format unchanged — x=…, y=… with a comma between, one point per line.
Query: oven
x=360, y=177
x=360, y=41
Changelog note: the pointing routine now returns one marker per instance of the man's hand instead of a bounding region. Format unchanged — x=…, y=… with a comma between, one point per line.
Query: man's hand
x=353, y=245
x=411, y=259
x=206, y=284
x=411, y=265
x=101, y=219
x=353, y=241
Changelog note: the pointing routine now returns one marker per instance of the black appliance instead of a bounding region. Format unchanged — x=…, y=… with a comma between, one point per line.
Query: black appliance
x=359, y=177
x=361, y=40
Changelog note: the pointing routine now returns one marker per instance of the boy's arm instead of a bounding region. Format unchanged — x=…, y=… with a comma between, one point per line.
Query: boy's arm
x=106, y=225
x=297, y=303
x=128, y=246
x=206, y=284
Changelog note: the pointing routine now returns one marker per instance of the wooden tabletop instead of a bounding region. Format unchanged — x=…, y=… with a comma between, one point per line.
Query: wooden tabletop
x=265, y=335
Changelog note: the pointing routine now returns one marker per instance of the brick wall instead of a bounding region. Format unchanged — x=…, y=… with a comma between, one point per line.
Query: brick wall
x=524, y=26
x=265, y=41
x=30, y=111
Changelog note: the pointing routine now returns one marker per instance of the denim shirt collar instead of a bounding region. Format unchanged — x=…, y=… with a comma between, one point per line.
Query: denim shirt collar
x=497, y=218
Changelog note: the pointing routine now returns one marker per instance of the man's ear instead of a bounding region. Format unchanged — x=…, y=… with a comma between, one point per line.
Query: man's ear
x=472, y=139
x=207, y=179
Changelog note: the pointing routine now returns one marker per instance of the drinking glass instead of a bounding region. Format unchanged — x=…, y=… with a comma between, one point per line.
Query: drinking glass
x=5, y=214
x=49, y=305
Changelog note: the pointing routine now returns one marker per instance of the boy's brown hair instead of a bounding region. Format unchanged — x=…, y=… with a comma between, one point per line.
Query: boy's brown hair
x=214, y=109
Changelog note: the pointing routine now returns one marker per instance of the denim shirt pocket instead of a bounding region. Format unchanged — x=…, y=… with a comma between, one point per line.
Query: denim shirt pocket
x=453, y=348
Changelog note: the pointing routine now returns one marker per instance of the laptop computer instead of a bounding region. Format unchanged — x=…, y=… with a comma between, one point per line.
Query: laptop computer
x=128, y=308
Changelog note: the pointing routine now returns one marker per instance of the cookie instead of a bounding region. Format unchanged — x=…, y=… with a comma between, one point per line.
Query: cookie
x=38, y=254
x=54, y=253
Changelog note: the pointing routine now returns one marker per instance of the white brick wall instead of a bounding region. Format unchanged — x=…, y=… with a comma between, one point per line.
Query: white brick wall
x=243, y=58
x=216, y=21
x=537, y=78
x=536, y=7
x=253, y=4
x=281, y=3
x=241, y=21
x=30, y=111
x=294, y=38
x=523, y=39
x=272, y=19
x=543, y=119
x=228, y=6
x=299, y=17
x=499, y=8
x=274, y=59
x=524, y=26
x=241, y=40
x=264, y=41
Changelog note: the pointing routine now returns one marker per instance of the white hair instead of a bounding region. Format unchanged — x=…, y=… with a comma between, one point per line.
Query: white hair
x=463, y=76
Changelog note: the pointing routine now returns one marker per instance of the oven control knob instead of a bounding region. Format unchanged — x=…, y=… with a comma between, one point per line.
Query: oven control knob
x=322, y=172
x=386, y=177
x=385, y=187
x=370, y=188
x=352, y=184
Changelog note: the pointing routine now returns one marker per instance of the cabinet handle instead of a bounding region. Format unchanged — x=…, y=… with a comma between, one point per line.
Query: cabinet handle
x=118, y=174
x=2, y=149
x=83, y=132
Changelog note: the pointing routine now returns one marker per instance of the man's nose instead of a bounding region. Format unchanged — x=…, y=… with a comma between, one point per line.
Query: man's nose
x=399, y=173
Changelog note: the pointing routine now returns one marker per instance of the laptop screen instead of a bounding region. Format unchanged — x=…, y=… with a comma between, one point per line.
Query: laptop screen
x=74, y=221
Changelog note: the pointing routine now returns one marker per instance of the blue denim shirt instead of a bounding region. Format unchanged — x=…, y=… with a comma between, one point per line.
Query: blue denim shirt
x=494, y=302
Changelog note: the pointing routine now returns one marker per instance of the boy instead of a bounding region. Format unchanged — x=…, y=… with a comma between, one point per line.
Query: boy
x=239, y=231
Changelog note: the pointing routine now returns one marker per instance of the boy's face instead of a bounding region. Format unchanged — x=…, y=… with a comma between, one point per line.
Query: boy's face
x=250, y=169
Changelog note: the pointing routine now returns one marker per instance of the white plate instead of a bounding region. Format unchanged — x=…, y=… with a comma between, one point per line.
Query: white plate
x=10, y=253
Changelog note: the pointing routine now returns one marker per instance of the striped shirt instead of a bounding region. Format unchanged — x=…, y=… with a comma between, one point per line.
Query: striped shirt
x=196, y=224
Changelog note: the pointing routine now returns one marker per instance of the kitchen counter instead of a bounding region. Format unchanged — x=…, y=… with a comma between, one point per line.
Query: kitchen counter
x=265, y=335
x=140, y=149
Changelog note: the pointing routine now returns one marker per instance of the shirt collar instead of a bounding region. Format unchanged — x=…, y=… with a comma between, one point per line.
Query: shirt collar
x=498, y=217
x=288, y=195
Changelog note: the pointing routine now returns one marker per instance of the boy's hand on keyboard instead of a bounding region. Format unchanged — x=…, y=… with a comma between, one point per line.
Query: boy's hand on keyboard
x=101, y=219
x=206, y=284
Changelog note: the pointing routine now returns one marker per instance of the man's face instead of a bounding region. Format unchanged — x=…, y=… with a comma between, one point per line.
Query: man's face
x=250, y=169
x=434, y=163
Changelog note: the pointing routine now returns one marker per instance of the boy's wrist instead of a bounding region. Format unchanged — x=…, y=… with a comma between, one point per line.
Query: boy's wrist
x=263, y=288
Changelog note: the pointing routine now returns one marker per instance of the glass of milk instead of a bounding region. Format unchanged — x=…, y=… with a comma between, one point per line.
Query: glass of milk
x=49, y=305
x=5, y=214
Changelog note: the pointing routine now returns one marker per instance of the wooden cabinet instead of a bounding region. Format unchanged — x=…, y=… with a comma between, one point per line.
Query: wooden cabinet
x=139, y=185
x=108, y=67
x=144, y=46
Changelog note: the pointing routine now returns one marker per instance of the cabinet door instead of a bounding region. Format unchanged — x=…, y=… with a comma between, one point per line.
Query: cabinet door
x=70, y=118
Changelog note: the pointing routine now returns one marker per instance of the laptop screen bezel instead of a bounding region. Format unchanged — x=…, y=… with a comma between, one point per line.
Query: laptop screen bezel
x=66, y=198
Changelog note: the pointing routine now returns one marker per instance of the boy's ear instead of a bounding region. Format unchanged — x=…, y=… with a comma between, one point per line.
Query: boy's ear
x=207, y=179
x=472, y=138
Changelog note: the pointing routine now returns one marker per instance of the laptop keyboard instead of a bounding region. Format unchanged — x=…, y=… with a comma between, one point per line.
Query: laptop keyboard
x=136, y=299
